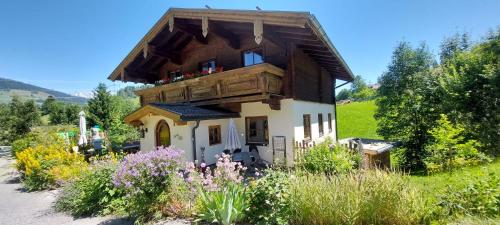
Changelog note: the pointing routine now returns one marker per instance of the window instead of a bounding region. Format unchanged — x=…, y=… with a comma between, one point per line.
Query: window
x=208, y=66
x=176, y=75
x=307, y=126
x=320, y=124
x=253, y=57
x=329, y=123
x=214, y=135
x=257, y=130
x=162, y=134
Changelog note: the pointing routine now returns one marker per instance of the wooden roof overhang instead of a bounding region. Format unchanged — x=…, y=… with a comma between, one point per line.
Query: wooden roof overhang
x=178, y=113
x=177, y=27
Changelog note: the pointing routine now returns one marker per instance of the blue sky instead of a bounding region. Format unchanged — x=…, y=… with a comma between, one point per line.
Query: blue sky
x=70, y=46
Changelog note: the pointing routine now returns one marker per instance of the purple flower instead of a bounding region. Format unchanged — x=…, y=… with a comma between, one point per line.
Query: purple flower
x=150, y=169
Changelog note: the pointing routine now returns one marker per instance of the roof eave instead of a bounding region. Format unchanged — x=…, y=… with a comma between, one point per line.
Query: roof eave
x=286, y=18
x=317, y=27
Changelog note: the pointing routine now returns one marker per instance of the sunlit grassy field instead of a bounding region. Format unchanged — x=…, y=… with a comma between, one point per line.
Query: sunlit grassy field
x=356, y=120
x=439, y=181
x=436, y=184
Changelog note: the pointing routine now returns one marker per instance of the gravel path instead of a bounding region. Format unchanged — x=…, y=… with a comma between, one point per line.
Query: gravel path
x=18, y=207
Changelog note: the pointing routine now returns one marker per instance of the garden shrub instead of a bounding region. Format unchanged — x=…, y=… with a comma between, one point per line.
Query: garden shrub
x=372, y=197
x=329, y=159
x=269, y=199
x=34, y=139
x=450, y=149
x=176, y=201
x=146, y=175
x=93, y=193
x=45, y=167
x=480, y=197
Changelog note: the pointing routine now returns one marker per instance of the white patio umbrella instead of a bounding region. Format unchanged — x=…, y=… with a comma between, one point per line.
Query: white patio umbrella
x=232, y=141
x=83, y=129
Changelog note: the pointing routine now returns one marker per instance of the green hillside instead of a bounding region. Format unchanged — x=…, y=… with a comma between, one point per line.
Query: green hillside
x=356, y=120
x=10, y=88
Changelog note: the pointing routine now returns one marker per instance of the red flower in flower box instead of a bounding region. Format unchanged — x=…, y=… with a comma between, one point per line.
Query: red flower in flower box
x=204, y=72
x=219, y=69
x=166, y=80
x=188, y=75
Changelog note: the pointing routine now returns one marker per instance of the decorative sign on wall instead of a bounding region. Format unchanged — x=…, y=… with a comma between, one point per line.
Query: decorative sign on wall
x=279, y=150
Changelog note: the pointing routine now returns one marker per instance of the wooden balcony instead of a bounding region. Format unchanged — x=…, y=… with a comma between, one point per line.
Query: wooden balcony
x=253, y=83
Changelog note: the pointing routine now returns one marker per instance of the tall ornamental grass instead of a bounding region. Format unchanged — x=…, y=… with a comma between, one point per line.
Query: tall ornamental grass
x=364, y=198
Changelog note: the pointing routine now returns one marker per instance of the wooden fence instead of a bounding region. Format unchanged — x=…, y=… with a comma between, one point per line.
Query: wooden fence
x=300, y=149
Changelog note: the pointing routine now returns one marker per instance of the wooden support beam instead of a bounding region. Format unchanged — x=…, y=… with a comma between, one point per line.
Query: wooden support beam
x=298, y=37
x=318, y=53
x=305, y=42
x=139, y=76
x=333, y=61
x=192, y=30
x=271, y=36
x=313, y=48
x=289, y=30
x=258, y=29
x=273, y=102
x=173, y=56
x=232, y=39
x=327, y=58
x=183, y=44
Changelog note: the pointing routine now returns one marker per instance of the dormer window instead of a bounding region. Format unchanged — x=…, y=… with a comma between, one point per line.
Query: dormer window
x=252, y=57
x=208, y=66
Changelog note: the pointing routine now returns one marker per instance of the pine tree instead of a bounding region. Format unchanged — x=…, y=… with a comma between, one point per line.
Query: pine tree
x=100, y=108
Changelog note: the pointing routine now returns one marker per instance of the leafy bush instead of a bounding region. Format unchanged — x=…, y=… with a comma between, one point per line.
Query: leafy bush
x=146, y=175
x=324, y=158
x=373, y=197
x=44, y=167
x=269, y=199
x=450, y=149
x=34, y=139
x=93, y=193
x=481, y=196
x=176, y=201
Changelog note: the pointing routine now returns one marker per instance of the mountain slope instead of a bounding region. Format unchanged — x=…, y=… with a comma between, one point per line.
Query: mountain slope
x=10, y=88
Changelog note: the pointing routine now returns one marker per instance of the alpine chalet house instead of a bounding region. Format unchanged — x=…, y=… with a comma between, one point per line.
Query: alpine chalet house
x=272, y=72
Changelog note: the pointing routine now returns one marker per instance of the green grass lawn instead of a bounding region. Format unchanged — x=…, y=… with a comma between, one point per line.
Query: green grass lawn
x=432, y=185
x=439, y=181
x=356, y=120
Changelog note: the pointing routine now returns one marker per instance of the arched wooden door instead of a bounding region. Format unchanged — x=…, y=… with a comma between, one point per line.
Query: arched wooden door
x=162, y=134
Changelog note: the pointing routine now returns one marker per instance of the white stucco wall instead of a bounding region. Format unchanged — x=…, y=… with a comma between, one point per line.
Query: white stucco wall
x=285, y=122
x=180, y=136
x=202, y=139
x=280, y=123
x=312, y=108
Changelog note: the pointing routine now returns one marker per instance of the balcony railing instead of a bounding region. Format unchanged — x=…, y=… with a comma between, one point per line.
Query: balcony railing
x=242, y=84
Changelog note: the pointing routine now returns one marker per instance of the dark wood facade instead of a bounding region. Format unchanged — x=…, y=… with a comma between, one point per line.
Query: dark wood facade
x=297, y=62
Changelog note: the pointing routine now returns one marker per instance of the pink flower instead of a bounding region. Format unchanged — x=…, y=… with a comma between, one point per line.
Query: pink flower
x=203, y=165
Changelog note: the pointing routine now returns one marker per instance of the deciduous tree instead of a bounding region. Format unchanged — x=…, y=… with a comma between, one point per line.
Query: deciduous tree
x=408, y=102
